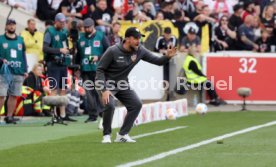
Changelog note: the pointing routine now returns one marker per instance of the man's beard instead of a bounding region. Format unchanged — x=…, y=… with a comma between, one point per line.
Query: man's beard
x=11, y=31
x=134, y=48
x=88, y=34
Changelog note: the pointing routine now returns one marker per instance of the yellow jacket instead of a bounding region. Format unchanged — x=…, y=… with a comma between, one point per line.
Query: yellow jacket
x=33, y=43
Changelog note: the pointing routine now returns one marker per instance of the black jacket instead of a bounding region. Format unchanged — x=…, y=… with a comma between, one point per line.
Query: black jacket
x=116, y=63
x=44, y=11
x=33, y=82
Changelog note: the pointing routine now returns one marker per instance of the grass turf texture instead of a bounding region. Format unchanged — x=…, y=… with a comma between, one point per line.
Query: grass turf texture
x=79, y=144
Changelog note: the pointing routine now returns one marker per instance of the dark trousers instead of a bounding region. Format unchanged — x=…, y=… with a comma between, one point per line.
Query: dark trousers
x=94, y=106
x=133, y=104
x=211, y=92
x=208, y=86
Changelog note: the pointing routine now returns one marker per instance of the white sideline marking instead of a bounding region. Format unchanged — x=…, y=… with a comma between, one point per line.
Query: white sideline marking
x=158, y=132
x=189, y=147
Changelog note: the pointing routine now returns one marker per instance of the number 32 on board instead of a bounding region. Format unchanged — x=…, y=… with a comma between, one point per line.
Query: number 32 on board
x=248, y=65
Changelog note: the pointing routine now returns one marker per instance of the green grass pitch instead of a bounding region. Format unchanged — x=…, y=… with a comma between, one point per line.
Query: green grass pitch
x=78, y=144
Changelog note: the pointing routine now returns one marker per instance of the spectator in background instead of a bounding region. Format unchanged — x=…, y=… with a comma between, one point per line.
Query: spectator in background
x=187, y=6
x=198, y=5
x=264, y=3
x=268, y=18
x=33, y=39
x=159, y=16
x=225, y=37
x=246, y=35
x=220, y=8
x=235, y=20
x=127, y=8
x=257, y=27
x=147, y=9
x=179, y=22
x=73, y=8
x=264, y=42
x=45, y=11
x=114, y=37
x=190, y=40
x=118, y=14
x=167, y=10
x=249, y=9
x=205, y=23
x=167, y=40
x=102, y=16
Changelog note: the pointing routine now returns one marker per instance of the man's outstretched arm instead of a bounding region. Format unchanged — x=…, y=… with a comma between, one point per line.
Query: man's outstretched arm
x=151, y=58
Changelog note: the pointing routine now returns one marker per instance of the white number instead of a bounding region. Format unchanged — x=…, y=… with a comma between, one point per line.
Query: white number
x=248, y=65
x=253, y=63
x=243, y=62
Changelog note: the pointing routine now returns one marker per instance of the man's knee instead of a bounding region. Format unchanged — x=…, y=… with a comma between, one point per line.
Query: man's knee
x=110, y=106
x=137, y=105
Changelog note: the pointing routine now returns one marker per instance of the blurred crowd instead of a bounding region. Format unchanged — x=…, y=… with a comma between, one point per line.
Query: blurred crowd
x=221, y=24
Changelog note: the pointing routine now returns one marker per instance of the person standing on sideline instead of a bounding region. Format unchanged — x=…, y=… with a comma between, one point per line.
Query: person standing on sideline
x=33, y=40
x=13, y=68
x=112, y=81
x=91, y=45
x=55, y=48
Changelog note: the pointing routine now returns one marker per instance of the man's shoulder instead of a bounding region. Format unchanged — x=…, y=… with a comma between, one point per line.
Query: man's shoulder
x=113, y=49
x=38, y=33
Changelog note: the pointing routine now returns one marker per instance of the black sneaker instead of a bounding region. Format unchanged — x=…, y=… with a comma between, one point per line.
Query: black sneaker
x=89, y=119
x=67, y=118
x=9, y=120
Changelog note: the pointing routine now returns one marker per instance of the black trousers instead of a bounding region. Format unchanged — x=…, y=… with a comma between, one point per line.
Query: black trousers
x=133, y=104
x=208, y=86
x=94, y=106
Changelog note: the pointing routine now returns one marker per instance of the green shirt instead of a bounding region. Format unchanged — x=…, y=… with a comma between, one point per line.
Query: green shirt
x=88, y=48
x=58, y=40
x=13, y=51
